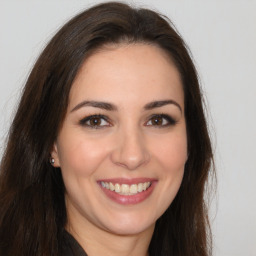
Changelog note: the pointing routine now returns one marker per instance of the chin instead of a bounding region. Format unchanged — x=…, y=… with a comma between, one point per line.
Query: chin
x=129, y=226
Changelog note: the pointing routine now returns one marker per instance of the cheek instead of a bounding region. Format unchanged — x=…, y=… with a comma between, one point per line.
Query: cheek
x=171, y=156
x=80, y=156
x=172, y=153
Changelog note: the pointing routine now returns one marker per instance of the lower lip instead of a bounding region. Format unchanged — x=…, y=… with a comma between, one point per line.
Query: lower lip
x=129, y=199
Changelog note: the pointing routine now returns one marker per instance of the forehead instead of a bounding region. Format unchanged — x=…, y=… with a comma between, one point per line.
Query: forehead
x=119, y=72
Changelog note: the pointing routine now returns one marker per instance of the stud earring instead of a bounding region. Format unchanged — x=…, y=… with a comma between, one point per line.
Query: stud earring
x=52, y=161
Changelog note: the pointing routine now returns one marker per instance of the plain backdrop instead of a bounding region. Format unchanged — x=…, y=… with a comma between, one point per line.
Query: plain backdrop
x=222, y=39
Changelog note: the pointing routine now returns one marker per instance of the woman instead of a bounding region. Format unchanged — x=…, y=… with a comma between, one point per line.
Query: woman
x=109, y=152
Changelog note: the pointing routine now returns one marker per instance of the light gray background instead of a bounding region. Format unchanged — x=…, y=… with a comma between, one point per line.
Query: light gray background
x=222, y=38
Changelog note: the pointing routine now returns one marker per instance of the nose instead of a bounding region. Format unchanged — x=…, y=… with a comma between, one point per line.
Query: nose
x=130, y=151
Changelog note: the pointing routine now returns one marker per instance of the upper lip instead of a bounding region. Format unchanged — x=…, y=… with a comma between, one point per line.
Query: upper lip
x=128, y=181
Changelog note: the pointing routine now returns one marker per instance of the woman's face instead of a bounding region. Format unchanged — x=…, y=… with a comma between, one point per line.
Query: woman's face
x=123, y=146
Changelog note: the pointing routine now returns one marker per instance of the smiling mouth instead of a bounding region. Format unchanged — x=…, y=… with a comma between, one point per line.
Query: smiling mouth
x=125, y=189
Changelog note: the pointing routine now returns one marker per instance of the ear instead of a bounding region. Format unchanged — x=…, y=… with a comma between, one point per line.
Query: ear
x=55, y=155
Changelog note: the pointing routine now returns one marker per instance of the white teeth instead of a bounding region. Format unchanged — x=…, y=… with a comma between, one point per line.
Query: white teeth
x=126, y=189
x=133, y=189
x=117, y=188
x=111, y=186
x=140, y=187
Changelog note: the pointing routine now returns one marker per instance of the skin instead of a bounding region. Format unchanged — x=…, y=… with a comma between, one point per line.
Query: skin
x=129, y=144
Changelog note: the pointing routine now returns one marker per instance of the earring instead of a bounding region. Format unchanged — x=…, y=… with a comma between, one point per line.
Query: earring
x=52, y=161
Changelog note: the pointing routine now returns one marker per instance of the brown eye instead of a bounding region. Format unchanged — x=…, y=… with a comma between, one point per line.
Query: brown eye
x=95, y=121
x=161, y=120
x=158, y=120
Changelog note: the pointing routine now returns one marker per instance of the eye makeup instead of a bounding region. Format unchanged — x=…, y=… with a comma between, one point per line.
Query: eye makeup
x=161, y=121
x=99, y=121
x=96, y=121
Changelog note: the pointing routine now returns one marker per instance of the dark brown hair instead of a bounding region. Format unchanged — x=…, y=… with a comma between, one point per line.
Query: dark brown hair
x=32, y=206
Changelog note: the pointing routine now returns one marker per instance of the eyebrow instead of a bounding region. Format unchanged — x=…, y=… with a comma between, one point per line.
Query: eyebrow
x=161, y=103
x=95, y=104
x=111, y=107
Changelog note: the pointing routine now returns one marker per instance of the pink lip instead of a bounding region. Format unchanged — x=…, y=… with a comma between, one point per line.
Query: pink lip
x=128, y=199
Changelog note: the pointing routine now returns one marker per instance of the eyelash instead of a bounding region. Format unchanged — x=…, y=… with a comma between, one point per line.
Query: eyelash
x=166, y=119
x=84, y=121
x=170, y=121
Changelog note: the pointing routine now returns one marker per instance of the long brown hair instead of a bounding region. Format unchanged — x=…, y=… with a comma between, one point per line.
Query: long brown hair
x=32, y=206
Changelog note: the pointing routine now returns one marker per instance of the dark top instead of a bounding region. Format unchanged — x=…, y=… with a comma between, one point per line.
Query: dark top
x=71, y=247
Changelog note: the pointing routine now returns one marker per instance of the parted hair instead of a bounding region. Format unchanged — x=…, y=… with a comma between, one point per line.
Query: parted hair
x=32, y=206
